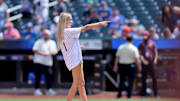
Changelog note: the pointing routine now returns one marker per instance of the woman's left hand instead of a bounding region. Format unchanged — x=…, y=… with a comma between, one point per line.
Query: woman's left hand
x=82, y=47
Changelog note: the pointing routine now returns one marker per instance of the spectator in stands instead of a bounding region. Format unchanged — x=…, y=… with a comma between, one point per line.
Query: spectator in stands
x=60, y=7
x=153, y=34
x=53, y=26
x=126, y=32
x=90, y=1
x=1, y=35
x=170, y=15
x=134, y=24
x=127, y=58
x=117, y=23
x=44, y=49
x=149, y=55
x=27, y=9
x=11, y=32
x=37, y=8
x=43, y=27
x=117, y=18
x=167, y=34
x=38, y=23
x=87, y=13
x=29, y=32
x=176, y=31
x=105, y=12
x=93, y=17
x=44, y=10
x=4, y=14
x=116, y=31
x=138, y=32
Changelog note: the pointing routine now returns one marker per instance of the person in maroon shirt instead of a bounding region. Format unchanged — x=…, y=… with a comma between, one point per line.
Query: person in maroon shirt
x=148, y=55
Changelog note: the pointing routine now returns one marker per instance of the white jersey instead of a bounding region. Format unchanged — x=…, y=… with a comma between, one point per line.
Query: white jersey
x=46, y=47
x=127, y=52
x=70, y=48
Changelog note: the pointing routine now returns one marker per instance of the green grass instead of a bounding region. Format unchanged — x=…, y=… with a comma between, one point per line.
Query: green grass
x=88, y=100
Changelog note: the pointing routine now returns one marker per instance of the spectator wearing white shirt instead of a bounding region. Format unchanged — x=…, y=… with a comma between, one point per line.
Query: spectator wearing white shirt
x=176, y=31
x=68, y=42
x=44, y=49
x=44, y=8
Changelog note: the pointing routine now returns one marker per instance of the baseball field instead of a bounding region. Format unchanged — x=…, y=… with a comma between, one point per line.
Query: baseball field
x=32, y=99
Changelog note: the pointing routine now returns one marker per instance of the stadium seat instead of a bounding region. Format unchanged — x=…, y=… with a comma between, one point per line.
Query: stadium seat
x=146, y=11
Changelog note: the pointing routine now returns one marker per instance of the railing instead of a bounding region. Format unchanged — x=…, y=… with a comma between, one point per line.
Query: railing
x=17, y=7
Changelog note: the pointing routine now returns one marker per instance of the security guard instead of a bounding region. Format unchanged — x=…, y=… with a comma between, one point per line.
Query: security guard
x=127, y=58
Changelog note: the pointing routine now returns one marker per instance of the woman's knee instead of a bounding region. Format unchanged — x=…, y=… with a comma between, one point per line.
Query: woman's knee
x=81, y=84
x=75, y=84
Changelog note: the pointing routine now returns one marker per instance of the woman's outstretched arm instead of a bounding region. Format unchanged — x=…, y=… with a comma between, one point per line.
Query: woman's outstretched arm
x=95, y=25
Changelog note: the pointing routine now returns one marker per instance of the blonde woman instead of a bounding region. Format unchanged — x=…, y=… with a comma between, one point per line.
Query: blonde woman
x=68, y=43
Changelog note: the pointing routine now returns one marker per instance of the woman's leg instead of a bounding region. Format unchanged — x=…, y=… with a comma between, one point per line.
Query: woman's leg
x=82, y=90
x=76, y=78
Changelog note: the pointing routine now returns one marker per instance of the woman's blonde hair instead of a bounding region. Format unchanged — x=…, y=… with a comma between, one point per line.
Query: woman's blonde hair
x=61, y=26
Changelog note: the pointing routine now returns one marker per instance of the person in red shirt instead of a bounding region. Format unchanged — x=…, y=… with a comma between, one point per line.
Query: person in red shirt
x=148, y=55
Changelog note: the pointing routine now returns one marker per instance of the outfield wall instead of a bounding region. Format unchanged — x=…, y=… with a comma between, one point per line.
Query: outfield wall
x=16, y=63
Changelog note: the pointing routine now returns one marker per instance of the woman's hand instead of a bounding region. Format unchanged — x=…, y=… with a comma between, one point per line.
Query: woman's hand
x=43, y=54
x=104, y=23
x=82, y=47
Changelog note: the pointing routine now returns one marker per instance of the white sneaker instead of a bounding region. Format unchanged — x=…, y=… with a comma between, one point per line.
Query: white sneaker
x=37, y=92
x=50, y=92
